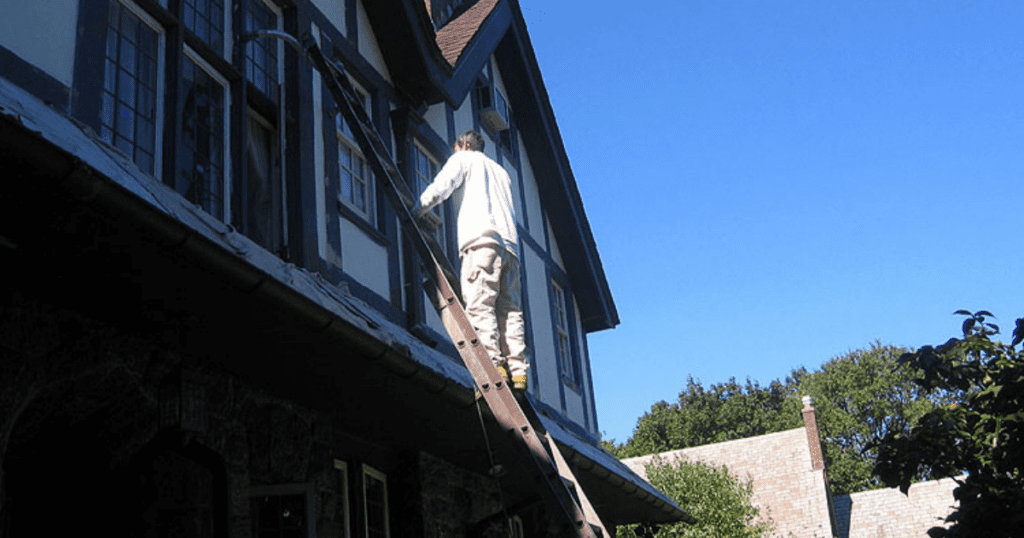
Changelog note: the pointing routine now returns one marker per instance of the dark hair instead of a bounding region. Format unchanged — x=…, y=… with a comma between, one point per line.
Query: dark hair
x=471, y=140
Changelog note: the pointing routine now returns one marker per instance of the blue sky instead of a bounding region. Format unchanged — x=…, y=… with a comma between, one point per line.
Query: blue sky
x=774, y=183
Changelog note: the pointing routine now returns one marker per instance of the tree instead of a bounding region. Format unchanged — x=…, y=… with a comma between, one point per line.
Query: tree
x=718, y=503
x=724, y=412
x=978, y=438
x=858, y=398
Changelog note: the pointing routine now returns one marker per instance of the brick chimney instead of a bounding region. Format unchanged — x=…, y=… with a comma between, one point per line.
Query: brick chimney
x=813, y=440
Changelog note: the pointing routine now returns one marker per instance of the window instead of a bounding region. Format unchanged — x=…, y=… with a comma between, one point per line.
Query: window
x=343, y=514
x=566, y=360
x=375, y=503
x=356, y=185
x=202, y=153
x=257, y=209
x=424, y=170
x=261, y=55
x=257, y=196
x=279, y=511
x=132, y=86
x=207, y=21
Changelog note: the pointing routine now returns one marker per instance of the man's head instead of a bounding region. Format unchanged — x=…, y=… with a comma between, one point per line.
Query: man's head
x=469, y=141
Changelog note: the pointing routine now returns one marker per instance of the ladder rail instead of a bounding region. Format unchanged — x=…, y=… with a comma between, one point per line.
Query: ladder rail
x=440, y=286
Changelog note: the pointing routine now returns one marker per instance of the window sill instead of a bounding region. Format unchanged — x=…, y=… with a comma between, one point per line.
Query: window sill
x=361, y=223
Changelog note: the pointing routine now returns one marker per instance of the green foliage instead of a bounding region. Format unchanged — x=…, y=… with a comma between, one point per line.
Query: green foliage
x=979, y=435
x=724, y=412
x=718, y=502
x=858, y=398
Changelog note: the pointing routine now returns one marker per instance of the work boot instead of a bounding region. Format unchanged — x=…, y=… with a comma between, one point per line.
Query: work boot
x=503, y=370
x=519, y=382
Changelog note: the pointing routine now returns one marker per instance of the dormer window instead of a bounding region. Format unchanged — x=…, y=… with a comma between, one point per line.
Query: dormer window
x=443, y=11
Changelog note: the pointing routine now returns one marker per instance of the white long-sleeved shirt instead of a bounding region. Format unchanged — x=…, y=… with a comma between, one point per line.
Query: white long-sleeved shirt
x=483, y=200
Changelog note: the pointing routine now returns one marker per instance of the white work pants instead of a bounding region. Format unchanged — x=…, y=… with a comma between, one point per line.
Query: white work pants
x=492, y=292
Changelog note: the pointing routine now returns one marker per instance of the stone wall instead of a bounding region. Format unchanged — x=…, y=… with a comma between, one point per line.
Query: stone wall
x=888, y=513
x=787, y=489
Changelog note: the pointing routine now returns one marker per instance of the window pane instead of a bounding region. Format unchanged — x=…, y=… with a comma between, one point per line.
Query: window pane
x=257, y=201
x=128, y=102
x=376, y=507
x=201, y=171
x=261, y=54
x=205, y=18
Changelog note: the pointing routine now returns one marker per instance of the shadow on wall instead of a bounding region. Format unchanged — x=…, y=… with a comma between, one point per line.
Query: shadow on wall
x=843, y=506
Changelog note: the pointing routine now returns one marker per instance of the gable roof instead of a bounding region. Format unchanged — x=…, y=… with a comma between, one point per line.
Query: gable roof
x=454, y=37
x=445, y=65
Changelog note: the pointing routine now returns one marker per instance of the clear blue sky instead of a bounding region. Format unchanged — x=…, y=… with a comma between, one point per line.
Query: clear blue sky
x=774, y=183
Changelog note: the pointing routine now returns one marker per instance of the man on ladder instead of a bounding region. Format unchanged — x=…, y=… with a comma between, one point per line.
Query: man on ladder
x=489, y=250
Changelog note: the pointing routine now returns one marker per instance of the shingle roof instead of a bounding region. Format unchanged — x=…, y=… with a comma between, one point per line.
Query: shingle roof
x=453, y=38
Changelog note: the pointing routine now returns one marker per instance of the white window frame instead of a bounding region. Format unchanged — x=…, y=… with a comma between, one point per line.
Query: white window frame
x=370, y=472
x=440, y=210
x=226, y=89
x=158, y=121
x=342, y=468
x=563, y=337
x=346, y=143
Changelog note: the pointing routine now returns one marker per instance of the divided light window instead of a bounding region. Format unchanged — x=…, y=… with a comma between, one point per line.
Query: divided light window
x=355, y=182
x=133, y=86
x=206, y=20
x=425, y=168
x=202, y=154
x=257, y=200
x=375, y=497
x=567, y=362
x=187, y=142
x=261, y=55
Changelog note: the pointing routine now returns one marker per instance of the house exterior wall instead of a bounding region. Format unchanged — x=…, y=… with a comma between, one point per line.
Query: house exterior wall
x=226, y=433
x=23, y=26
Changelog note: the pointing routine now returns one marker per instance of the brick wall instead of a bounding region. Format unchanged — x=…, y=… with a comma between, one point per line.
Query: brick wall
x=786, y=489
x=888, y=513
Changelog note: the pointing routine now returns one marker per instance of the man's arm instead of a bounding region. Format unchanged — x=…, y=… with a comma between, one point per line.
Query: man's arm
x=444, y=184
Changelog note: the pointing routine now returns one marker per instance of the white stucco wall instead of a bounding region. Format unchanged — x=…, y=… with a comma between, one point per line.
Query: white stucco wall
x=42, y=33
x=464, y=116
x=540, y=321
x=556, y=253
x=364, y=259
x=368, y=44
x=437, y=119
x=334, y=10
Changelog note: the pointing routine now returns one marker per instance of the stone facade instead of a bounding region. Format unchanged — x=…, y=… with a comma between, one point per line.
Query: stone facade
x=119, y=421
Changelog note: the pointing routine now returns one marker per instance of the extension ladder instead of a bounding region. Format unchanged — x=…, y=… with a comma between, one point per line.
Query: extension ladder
x=559, y=488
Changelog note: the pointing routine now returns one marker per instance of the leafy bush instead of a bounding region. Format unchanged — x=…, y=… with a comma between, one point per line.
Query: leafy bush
x=718, y=502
